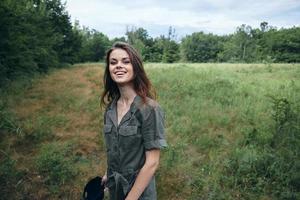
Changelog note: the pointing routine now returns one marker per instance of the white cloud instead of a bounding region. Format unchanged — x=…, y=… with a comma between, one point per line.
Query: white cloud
x=216, y=16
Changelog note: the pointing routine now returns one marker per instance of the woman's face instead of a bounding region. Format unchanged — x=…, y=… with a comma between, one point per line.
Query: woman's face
x=120, y=67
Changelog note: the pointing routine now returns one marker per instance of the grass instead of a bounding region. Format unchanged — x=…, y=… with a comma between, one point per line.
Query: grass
x=232, y=130
x=213, y=111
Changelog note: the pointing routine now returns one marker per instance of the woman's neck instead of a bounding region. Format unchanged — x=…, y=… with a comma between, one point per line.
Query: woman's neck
x=127, y=94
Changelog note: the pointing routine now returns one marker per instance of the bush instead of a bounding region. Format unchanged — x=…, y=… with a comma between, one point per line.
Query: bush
x=9, y=176
x=257, y=168
x=55, y=163
x=7, y=120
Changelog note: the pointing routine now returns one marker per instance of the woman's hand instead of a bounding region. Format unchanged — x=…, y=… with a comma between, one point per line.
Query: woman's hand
x=103, y=181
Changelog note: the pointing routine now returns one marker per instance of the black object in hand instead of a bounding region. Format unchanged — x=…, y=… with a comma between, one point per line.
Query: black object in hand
x=93, y=190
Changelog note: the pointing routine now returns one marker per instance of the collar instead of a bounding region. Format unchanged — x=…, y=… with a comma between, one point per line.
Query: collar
x=112, y=110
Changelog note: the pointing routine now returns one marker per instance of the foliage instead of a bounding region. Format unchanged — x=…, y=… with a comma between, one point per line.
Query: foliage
x=8, y=122
x=161, y=49
x=271, y=165
x=200, y=47
x=170, y=51
x=247, y=44
x=93, y=44
x=286, y=46
x=264, y=44
x=9, y=175
x=35, y=36
x=56, y=163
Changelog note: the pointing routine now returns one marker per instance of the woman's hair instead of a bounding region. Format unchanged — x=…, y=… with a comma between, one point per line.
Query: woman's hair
x=142, y=84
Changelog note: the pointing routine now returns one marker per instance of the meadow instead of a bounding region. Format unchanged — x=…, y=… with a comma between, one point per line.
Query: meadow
x=233, y=132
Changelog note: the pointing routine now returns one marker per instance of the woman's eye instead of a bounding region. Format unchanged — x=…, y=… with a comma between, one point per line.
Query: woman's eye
x=113, y=62
x=126, y=61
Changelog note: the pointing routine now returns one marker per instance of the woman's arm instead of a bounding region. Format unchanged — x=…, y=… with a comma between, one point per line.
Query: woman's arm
x=145, y=175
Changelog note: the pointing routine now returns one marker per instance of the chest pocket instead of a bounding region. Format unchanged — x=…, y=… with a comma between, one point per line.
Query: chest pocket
x=108, y=136
x=129, y=137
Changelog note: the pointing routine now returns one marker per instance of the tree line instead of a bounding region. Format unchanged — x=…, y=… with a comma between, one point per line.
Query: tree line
x=36, y=35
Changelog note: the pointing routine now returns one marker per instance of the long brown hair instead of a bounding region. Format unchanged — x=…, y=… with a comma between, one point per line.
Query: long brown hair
x=141, y=82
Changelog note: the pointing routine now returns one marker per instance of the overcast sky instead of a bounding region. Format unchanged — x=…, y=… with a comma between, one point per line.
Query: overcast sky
x=187, y=16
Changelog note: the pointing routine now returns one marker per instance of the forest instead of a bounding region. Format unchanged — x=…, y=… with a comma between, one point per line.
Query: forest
x=36, y=35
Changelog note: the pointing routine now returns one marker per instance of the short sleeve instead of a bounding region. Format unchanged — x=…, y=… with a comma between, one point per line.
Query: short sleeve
x=153, y=131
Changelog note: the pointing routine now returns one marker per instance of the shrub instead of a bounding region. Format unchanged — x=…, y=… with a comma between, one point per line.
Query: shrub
x=55, y=163
x=258, y=167
x=7, y=120
x=9, y=176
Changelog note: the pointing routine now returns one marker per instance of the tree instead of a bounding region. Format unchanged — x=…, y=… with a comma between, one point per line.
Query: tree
x=240, y=46
x=156, y=51
x=94, y=45
x=200, y=47
x=138, y=37
x=286, y=46
x=35, y=35
x=27, y=39
x=99, y=44
x=60, y=22
x=170, y=51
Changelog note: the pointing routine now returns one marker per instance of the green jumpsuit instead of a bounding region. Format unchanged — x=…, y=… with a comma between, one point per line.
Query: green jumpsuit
x=141, y=129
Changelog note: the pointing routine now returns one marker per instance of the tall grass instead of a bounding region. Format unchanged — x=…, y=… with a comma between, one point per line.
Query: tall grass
x=222, y=123
x=233, y=132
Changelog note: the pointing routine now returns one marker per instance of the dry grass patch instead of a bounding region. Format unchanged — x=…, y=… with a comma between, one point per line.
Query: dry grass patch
x=65, y=104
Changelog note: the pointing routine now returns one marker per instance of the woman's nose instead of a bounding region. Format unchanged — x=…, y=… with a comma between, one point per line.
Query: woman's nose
x=119, y=65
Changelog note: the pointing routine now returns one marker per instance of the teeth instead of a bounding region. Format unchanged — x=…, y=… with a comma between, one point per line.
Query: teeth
x=120, y=73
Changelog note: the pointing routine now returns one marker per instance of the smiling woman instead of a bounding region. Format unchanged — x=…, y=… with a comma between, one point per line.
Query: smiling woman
x=133, y=126
x=120, y=67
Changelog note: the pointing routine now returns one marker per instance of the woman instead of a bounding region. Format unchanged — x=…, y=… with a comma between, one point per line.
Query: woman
x=133, y=126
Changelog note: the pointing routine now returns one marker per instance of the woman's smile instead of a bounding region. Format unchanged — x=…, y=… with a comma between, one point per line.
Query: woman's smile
x=120, y=67
x=120, y=73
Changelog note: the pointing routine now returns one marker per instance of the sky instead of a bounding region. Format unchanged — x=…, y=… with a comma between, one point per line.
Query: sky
x=220, y=17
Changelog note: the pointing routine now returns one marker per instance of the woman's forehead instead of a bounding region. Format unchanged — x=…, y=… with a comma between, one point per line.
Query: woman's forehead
x=119, y=54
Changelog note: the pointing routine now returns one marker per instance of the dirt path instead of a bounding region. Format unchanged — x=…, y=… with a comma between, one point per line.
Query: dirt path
x=67, y=103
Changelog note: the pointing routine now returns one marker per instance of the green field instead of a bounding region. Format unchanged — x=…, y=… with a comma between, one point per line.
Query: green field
x=233, y=132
